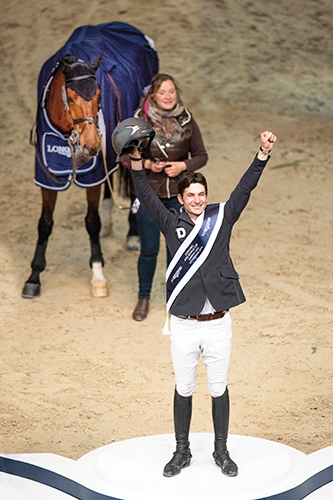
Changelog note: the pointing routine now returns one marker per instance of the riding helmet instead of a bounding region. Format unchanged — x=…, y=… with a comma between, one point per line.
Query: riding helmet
x=133, y=133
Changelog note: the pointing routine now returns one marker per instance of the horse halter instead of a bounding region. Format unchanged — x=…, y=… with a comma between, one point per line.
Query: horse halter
x=74, y=136
x=88, y=119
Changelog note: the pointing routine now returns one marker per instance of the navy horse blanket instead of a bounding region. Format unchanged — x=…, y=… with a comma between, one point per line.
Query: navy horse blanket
x=128, y=64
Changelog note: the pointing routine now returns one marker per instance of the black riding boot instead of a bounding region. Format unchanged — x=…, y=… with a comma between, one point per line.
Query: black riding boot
x=182, y=412
x=220, y=409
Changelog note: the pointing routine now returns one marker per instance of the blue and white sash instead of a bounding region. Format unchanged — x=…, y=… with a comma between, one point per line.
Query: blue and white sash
x=192, y=253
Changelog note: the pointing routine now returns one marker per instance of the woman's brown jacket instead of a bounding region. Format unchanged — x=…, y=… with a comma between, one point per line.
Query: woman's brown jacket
x=189, y=149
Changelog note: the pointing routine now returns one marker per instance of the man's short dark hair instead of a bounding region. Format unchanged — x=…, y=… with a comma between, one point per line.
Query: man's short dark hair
x=188, y=178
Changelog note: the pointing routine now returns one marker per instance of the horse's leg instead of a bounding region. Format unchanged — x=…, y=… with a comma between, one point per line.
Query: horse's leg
x=93, y=226
x=31, y=287
x=106, y=211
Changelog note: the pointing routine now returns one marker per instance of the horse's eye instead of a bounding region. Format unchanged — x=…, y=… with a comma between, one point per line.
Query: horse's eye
x=69, y=99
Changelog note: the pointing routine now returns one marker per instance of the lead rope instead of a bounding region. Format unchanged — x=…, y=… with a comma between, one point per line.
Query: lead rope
x=109, y=182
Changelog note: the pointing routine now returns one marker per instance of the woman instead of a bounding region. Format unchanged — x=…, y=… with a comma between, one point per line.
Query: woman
x=178, y=146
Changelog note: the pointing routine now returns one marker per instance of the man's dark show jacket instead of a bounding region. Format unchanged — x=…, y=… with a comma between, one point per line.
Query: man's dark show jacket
x=217, y=278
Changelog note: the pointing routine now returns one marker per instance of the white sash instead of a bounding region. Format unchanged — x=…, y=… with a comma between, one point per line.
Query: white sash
x=192, y=254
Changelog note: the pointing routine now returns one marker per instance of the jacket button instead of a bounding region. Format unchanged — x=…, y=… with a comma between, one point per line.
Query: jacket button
x=204, y=276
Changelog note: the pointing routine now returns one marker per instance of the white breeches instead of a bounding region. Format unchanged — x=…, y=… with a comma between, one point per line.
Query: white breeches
x=212, y=339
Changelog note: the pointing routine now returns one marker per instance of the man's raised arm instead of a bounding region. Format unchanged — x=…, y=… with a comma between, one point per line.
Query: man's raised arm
x=151, y=203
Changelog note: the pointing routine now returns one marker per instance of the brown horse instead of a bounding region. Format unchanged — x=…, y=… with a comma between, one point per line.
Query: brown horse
x=81, y=98
x=71, y=105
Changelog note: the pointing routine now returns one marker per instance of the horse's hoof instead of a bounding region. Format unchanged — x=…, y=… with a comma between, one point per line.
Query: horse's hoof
x=99, y=289
x=30, y=290
x=133, y=243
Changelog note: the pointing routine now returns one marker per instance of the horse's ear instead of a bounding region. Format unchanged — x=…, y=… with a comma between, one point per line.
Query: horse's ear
x=66, y=61
x=96, y=62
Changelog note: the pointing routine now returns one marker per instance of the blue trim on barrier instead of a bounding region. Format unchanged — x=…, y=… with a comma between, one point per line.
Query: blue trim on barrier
x=301, y=491
x=50, y=478
x=76, y=490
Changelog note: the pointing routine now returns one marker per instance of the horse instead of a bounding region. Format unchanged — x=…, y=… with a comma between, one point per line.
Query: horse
x=94, y=81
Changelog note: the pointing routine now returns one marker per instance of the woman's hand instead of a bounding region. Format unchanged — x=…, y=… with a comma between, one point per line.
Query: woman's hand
x=174, y=168
x=155, y=167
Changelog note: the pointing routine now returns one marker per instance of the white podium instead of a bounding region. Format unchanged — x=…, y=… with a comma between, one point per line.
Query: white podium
x=133, y=470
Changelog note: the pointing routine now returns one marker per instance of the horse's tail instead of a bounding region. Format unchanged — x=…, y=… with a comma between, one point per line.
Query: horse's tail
x=124, y=184
x=125, y=181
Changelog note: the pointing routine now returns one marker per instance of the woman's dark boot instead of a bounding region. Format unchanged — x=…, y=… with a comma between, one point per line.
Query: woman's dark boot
x=220, y=409
x=182, y=412
x=141, y=310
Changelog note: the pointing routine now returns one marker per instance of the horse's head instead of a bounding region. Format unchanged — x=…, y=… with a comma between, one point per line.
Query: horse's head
x=81, y=95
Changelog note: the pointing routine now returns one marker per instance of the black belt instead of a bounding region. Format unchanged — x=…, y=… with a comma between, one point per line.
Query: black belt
x=205, y=317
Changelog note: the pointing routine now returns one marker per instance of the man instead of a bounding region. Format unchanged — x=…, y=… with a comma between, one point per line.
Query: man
x=202, y=285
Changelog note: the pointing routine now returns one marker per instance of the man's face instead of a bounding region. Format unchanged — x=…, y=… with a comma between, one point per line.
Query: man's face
x=194, y=200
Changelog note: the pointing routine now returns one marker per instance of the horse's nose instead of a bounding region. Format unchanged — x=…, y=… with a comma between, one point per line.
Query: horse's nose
x=91, y=145
x=92, y=151
x=90, y=137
